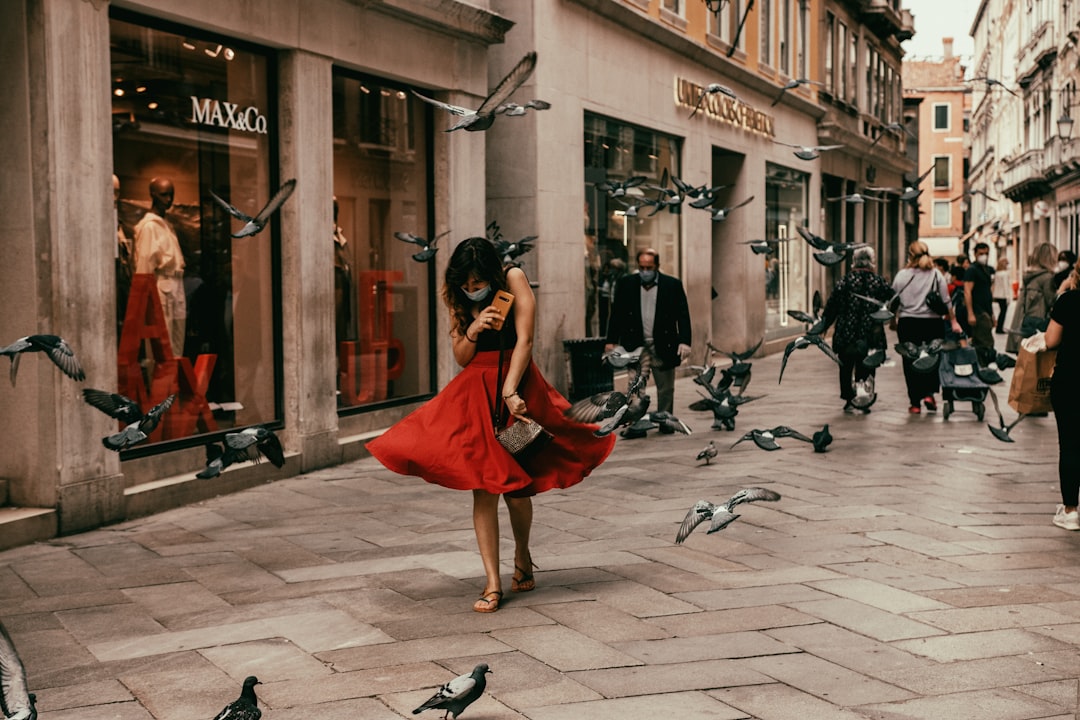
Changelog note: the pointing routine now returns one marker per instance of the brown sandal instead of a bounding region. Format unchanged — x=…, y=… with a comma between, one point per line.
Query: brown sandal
x=488, y=604
x=526, y=582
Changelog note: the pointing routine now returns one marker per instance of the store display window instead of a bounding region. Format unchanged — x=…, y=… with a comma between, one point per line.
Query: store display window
x=617, y=227
x=197, y=309
x=787, y=270
x=384, y=299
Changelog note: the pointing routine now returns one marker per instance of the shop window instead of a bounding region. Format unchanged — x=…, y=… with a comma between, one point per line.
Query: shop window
x=786, y=273
x=197, y=313
x=616, y=228
x=383, y=298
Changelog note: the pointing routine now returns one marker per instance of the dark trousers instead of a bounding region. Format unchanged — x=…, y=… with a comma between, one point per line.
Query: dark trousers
x=1003, y=306
x=1065, y=399
x=852, y=371
x=919, y=330
x=982, y=338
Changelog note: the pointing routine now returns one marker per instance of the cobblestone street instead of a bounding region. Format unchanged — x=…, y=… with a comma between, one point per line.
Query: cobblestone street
x=912, y=571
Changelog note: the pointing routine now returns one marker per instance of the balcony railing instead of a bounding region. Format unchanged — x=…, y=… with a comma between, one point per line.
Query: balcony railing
x=1041, y=46
x=1023, y=176
x=1061, y=157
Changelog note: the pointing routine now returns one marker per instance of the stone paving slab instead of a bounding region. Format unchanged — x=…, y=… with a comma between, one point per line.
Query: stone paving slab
x=910, y=572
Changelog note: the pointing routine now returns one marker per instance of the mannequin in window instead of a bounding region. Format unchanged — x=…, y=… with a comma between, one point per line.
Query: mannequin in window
x=342, y=284
x=124, y=257
x=157, y=251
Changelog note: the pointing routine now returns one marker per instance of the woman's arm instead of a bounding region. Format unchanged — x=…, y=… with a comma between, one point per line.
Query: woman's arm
x=1053, y=334
x=465, y=343
x=524, y=321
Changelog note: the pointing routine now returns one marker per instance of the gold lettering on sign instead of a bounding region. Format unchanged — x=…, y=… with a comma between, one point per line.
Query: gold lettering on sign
x=724, y=109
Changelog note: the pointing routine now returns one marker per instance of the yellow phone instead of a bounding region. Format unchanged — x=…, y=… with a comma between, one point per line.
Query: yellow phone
x=502, y=302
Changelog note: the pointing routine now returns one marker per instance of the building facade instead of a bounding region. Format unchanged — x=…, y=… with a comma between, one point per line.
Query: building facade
x=943, y=116
x=322, y=326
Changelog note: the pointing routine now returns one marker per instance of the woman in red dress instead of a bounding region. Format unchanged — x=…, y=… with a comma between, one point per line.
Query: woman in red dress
x=450, y=441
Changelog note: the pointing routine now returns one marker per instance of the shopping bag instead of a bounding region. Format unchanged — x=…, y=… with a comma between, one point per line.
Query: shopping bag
x=1030, y=389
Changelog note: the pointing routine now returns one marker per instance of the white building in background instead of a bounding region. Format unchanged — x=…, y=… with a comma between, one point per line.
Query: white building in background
x=1025, y=158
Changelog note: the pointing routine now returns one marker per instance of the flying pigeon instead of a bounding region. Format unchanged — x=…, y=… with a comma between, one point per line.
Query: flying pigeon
x=245, y=707
x=668, y=423
x=720, y=214
x=763, y=247
x=721, y=515
x=711, y=89
x=883, y=313
x=865, y=395
x=639, y=428
x=1001, y=432
x=907, y=193
x=791, y=85
x=816, y=241
x=925, y=356
x=248, y=445
x=891, y=127
x=766, y=439
x=484, y=116
x=875, y=357
x=139, y=425
x=254, y=225
x=515, y=110
x=620, y=357
x=707, y=453
x=634, y=409
x=16, y=701
x=603, y=405
x=427, y=249
x=807, y=318
x=808, y=152
x=855, y=198
x=804, y=341
x=703, y=196
x=510, y=251
x=991, y=83
x=632, y=208
x=836, y=253
x=458, y=694
x=57, y=349
x=617, y=189
x=822, y=439
x=739, y=366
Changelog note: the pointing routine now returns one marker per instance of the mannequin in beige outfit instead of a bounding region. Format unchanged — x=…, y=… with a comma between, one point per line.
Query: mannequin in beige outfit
x=157, y=251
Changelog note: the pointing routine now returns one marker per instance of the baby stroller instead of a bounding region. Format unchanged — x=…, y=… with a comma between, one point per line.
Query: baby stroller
x=958, y=371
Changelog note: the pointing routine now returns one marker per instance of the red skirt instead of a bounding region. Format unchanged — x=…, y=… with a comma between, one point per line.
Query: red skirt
x=450, y=440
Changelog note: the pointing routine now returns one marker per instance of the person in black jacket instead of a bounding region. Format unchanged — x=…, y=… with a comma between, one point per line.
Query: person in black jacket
x=650, y=310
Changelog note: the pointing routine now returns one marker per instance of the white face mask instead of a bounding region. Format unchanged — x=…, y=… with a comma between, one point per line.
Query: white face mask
x=1062, y=266
x=982, y=259
x=478, y=295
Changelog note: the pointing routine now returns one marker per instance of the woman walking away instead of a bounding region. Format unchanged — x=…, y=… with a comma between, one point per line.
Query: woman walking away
x=450, y=441
x=857, y=334
x=1036, y=296
x=918, y=323
x=1002, y=291
x=1063, y=333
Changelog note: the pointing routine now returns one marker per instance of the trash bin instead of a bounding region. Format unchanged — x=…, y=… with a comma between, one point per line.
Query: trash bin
x=587, y=372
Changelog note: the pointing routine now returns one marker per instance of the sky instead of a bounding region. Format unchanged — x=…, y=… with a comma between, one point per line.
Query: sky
x=935, y=19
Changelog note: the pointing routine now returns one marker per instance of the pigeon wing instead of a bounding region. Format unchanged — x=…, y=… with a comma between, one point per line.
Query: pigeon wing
x=276, y=202
x=785, y=431
x=508, y=84
x=457, y=688
x=60, y=353
x=16, y=697
x=720, y=520
x=452, y=109
x=231, y=209
x=270, y=446
x=752, y=494
x=699, y=513
x=829, y=352
x=802, y=316
x=783, y=363
x=114, y=405
x=153, y=415
x=596, y=407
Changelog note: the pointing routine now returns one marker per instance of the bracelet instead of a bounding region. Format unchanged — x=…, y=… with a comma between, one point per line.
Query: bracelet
x=466, y=333
x=507, y=397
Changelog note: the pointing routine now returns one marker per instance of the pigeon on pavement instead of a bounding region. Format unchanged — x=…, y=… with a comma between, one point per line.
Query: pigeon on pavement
x=54, y=346
x=822, y=439
x=139, y=424
x=721, y=515
x=707, y=453
x=255, y=225
x=483, y=117
x=245, y=707
x=766, y=439
x=458, y=694
x=16, y=701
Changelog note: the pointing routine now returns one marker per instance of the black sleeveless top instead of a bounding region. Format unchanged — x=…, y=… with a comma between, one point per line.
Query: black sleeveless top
x=489, y=339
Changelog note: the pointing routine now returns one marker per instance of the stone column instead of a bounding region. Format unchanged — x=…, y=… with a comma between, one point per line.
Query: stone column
x=58, y=242
x=305, y=126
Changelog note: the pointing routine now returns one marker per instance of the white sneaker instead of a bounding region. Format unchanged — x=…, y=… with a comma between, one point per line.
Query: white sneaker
x=1069, y=521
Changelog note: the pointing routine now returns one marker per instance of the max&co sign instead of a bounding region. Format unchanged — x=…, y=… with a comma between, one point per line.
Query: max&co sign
x=723, y=108
x=219, y=113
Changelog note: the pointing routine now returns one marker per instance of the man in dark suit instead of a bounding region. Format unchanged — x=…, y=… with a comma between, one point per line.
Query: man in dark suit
x=650, y=310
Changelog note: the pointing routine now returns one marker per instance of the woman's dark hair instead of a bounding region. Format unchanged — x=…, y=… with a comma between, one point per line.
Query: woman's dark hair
x=475, y=256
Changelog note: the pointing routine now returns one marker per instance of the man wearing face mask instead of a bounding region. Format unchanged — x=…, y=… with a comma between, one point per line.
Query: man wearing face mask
x=650, y=310
x=1065, y=262
x=979, y=296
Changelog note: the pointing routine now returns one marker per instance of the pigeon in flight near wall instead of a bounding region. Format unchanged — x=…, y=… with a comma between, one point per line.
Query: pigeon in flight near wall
x=55, y=347
x=427, y=249
x=712, y=89
x=808, y=152
x=791, y=85
x=139, y=424
x=248, y=445
x=245, y=707
x=483, y=117
x=458, y=694
x=255, y=225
